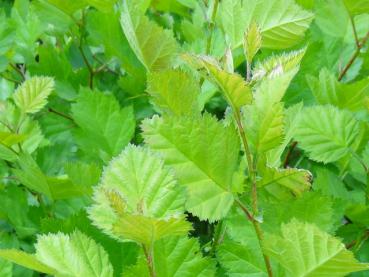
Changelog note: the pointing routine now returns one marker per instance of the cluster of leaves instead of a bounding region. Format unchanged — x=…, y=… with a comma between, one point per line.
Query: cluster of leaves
x=184, y=138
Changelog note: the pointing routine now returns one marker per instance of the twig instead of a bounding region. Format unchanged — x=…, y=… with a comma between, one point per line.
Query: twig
x=355, y=32
x=60, y=114
x=11, y=79
x=353, y=57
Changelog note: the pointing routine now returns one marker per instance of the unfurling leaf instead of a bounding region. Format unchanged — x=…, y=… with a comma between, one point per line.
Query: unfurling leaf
x=251, y=42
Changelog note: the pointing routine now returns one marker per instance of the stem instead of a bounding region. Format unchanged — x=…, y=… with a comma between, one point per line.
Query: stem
x=353, y=57
x=252, y=171
x=354, y=31
x=60, y=114
x=260, y=236
x=20, y=72
x=211, y=26
x=149, y=260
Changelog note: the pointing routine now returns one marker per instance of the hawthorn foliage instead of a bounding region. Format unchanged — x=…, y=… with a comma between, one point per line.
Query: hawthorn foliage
x=184, y=138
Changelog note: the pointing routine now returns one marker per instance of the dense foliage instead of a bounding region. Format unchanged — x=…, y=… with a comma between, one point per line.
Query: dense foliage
x=184, y=138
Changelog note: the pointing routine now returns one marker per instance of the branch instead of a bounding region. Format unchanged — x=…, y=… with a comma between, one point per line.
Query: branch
x=51, y=110
x=354, y=56
x=289, y=153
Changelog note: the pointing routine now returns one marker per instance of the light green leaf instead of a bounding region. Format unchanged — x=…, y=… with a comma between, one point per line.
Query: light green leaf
x=138, y=199
x=278, y=65
x=153, y=46
x=252, y=42
x=327, y=90
x=68, y=6
x=306, y=251
x=234, y=87
x=32, y=95
x=311, y=207
x=6, y=268
x=105, y=127
x=357, y=6
x=175, y=257
x=204, y=154
x=31, y=176
x=26, y=260
x=73, y=255
x=293, y=179
x=233, y=21
x=282, y=22
x=102, y=5
x=174, y=92
x=326, y=133
x=239, y=260
x=8, y=139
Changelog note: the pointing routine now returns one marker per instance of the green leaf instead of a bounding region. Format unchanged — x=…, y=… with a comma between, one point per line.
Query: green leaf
x=233, y=21
x=73, y=255
x=102, y=5
x=8, y=139
x=252, y=42
x=174, y=92
x=204, y=154
x=327, y=90
x=239, y=260
x=278, y=65
x=282, y=23
x=31, y=176
x=32, y=95
x=138, y=199
x=326, y=133
x=105, y=128
x=311, y=207
x=234, y=87
x=68, y=6
x=304, y=250
x=175, y=257
x=293, y=179
x=357, y=6
x=6, y=268
x=153, y=46
x=26, y=260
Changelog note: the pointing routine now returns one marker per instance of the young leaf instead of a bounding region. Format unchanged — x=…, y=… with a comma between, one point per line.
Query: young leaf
x=8, y=139
x=32, y=95
x=153, y=46
x=278, y=65
x=174, y=92
x=138, y=199
x=326, y=133
x=204, y=155
x=251, y=42
x=233, y=86
x=73, y=255
x=304, y=250
x=106, y=128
